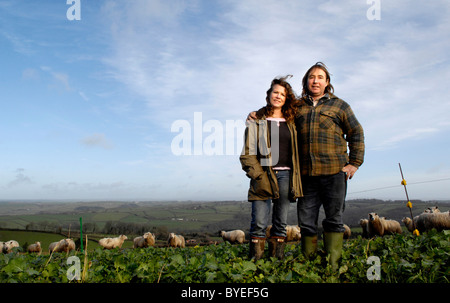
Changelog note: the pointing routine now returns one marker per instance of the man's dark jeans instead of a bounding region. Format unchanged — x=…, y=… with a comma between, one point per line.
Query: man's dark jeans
x=329, y=191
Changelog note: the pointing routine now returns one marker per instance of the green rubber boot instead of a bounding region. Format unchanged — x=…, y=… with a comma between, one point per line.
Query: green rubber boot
x=309, y=246
x=332, y=242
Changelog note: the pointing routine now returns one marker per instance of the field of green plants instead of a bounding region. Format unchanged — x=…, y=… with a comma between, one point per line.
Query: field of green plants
x=403, y=258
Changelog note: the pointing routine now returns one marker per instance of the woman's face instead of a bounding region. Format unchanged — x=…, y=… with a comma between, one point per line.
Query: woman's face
x=278, y=96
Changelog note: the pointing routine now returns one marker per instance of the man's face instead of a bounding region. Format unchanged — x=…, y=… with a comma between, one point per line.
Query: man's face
x=317, y=82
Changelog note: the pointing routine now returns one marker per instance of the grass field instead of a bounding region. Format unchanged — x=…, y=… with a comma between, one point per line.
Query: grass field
x=180, y=217
x=174, y=215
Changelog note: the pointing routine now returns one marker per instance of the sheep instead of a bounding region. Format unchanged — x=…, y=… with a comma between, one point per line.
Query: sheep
x=64, y=245
x=408, y=223
x=381, y=226
x=433, y=209
x=292, y=232
x=176, y=240
x=110, y=243
x=148, y=239
x=36, y=247
x=70, y=245
x=365, y=225
x=58, y=246
x=233, y=236
x=428, y=221
x=8, y=246
x=347, y=231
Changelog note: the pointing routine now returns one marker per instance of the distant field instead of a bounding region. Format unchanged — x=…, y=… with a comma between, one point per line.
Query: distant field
x=180, y=217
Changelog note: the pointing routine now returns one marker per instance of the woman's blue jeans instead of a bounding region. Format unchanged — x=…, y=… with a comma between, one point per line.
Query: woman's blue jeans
x=261, y=210
x=329, y=191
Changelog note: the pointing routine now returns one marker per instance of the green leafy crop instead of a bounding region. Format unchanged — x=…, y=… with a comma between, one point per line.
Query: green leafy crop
x=403, y=258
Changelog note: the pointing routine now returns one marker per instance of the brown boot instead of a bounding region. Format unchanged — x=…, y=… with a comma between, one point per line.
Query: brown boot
x=276, y=247
x=257, y=248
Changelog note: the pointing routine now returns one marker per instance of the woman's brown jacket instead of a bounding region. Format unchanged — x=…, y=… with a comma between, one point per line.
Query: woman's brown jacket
x=256, y=161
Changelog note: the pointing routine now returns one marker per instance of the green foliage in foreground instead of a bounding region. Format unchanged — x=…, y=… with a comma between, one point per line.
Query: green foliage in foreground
x=404, y=258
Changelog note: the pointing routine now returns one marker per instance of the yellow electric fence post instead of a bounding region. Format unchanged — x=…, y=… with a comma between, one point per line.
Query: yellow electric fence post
x=408, y=204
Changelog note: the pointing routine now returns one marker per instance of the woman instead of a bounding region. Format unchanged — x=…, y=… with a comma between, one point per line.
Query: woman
x=270, y=160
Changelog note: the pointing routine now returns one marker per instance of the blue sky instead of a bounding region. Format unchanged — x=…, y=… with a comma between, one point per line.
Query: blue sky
x=88, y=105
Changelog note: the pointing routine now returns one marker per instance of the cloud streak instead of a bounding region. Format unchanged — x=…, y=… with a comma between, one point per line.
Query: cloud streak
x=97, y=140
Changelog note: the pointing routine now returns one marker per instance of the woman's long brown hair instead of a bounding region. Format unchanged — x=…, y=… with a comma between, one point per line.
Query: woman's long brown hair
x=289, y=108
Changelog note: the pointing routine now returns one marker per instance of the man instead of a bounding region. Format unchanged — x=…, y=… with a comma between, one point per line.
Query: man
x=325, y=125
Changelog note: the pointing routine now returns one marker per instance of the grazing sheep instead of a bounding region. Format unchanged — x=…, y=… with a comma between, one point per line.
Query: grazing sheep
x=176, y=240
x=428, y=221
x=381, y=226
x=347, y=232
x=70, y=245
x=433, y=209
x=59, y=246
x=365, y=227
x=233, y=236
x=36, y=247
x=292, y=232
x=8, y=246
x=148, y=239
x=408, y=223
x=110, y=243
x=64, y=245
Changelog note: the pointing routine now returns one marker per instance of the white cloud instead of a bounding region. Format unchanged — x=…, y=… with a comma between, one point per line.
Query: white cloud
x=97, y=140
x=61, y=79
x=20, y=179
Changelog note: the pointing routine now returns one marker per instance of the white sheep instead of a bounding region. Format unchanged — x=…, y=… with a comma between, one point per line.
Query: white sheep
x=381, y=226
x=176, y=240
x=433, y=209
x=428, y=221
x=347, y=231
x=148, y=239
x=64, y=245
x=292, y=232
x=36, y=247
x=233, y=236
x=408, y=223
x=9, y=245
x=110, y=243
x=365, y=227
x=58, y=246
x=70, y=245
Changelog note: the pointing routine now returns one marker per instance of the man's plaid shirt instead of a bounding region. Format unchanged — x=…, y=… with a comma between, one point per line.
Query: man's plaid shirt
x=323, y=133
